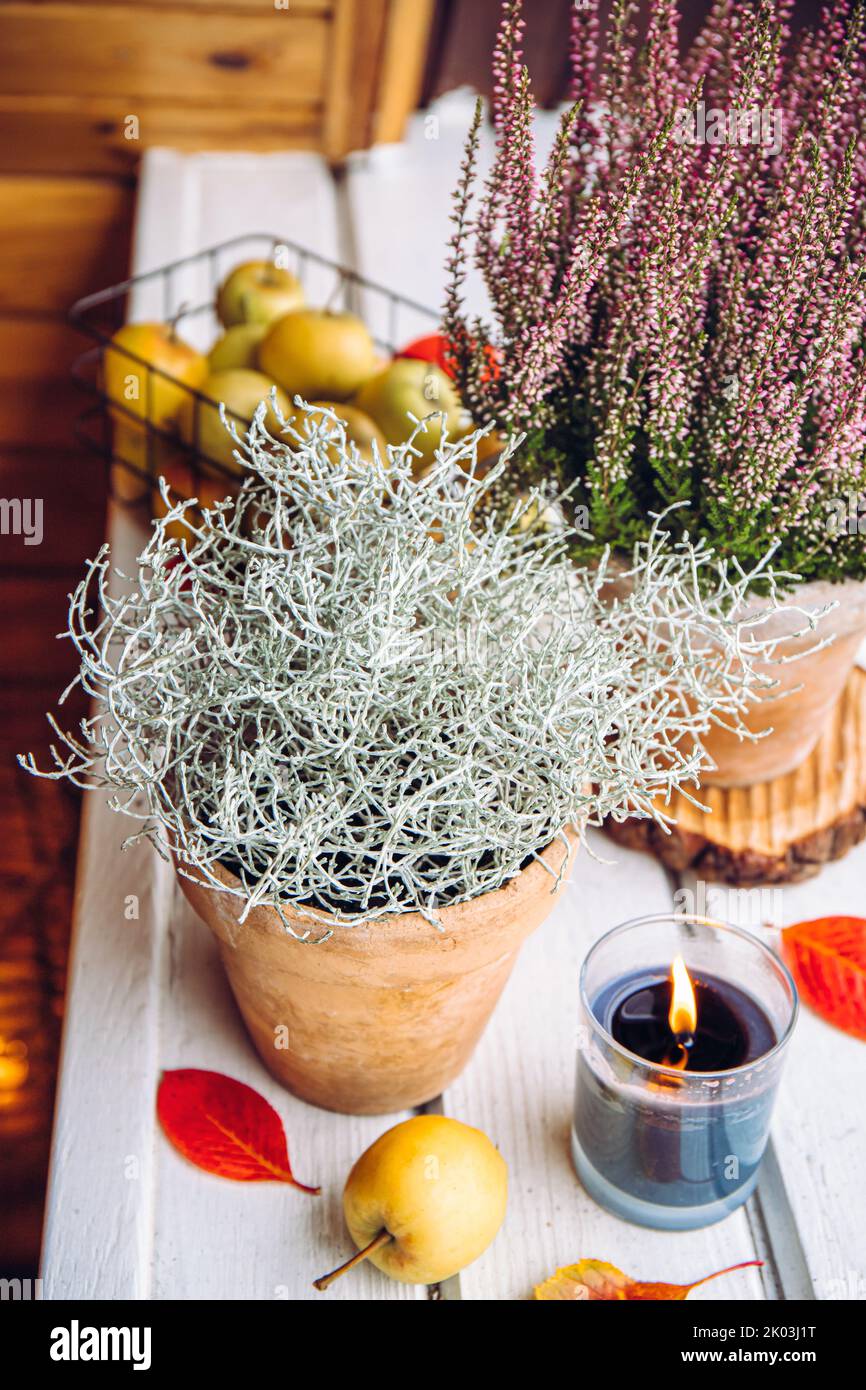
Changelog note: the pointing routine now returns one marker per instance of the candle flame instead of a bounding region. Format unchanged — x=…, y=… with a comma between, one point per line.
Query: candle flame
x=683, y=1015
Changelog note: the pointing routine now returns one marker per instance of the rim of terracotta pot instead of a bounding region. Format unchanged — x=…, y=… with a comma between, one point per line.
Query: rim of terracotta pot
x=405, y=928
x=847, y=616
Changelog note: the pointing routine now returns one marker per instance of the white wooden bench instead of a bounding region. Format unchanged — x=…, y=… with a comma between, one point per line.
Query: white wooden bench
x=127, y=1217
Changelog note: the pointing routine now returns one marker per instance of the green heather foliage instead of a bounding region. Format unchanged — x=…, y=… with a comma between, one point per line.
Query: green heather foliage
x=363, y=701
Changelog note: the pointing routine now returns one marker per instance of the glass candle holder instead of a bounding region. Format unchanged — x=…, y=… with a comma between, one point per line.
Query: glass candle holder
x=657, y=1144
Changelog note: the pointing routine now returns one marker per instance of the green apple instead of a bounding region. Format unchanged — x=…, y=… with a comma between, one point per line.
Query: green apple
x=425, y=1200
x=318, y=355
x=238, y=347
x=258, y=292
x=420, y=387
x=240, y=391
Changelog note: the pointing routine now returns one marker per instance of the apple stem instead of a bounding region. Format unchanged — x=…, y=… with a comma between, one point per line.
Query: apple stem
x=176, y=318
x=270, y=276
x=375, y=1244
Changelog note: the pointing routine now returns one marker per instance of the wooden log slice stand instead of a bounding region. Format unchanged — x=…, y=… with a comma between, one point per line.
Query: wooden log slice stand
x=774, y=832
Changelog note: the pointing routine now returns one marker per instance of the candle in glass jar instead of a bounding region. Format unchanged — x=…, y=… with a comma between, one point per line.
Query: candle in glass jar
x=676, y=1084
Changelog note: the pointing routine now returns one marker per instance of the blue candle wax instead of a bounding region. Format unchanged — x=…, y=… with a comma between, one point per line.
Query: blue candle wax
x=656, y=1139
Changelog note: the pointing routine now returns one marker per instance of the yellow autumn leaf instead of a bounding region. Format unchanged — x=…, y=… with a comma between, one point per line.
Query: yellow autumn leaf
x=596, y=1279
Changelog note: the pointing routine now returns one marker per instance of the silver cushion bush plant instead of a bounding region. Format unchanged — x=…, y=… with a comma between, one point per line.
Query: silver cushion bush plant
x=364, y=696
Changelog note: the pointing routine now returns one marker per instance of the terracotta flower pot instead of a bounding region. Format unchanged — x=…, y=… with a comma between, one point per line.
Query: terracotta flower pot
x=798, y=719
x=382, y=1016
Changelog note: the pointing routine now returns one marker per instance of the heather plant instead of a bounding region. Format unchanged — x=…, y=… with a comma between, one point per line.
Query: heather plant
x=678, y=298
x=363, y=699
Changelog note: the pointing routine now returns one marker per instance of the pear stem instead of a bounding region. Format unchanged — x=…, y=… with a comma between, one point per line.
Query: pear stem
x=376, y=1244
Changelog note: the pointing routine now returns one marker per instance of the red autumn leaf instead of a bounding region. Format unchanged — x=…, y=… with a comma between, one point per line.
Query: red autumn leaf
x=224, y=1127
x=827, y=958
x=434, y=348
x=591, y=1280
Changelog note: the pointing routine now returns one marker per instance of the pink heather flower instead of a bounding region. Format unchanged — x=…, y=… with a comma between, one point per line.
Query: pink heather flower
x=681, y=318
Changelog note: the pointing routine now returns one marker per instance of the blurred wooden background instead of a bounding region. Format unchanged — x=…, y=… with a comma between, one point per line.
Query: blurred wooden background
x=84, y=88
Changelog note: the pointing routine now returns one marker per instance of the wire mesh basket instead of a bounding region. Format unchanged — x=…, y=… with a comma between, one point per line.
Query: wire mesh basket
x=136, y=449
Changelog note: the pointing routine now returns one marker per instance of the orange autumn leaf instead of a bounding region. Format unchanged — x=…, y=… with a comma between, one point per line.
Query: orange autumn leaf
x=827, y=958
x=596, y=1279
x=225, y=1127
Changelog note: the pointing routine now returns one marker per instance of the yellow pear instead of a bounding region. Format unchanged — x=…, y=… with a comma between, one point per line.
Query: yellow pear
x=318, y=355
x=420, y=387
x=238, y=347
x=240, y=391
x=360, y=429
x=424, y=1200
x=258, y=292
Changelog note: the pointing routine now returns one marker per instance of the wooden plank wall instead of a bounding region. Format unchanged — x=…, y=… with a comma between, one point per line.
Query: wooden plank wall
x=83, y=87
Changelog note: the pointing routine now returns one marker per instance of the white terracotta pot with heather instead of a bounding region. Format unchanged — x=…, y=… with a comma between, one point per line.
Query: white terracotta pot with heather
x=369, y=728
x=678, y=308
